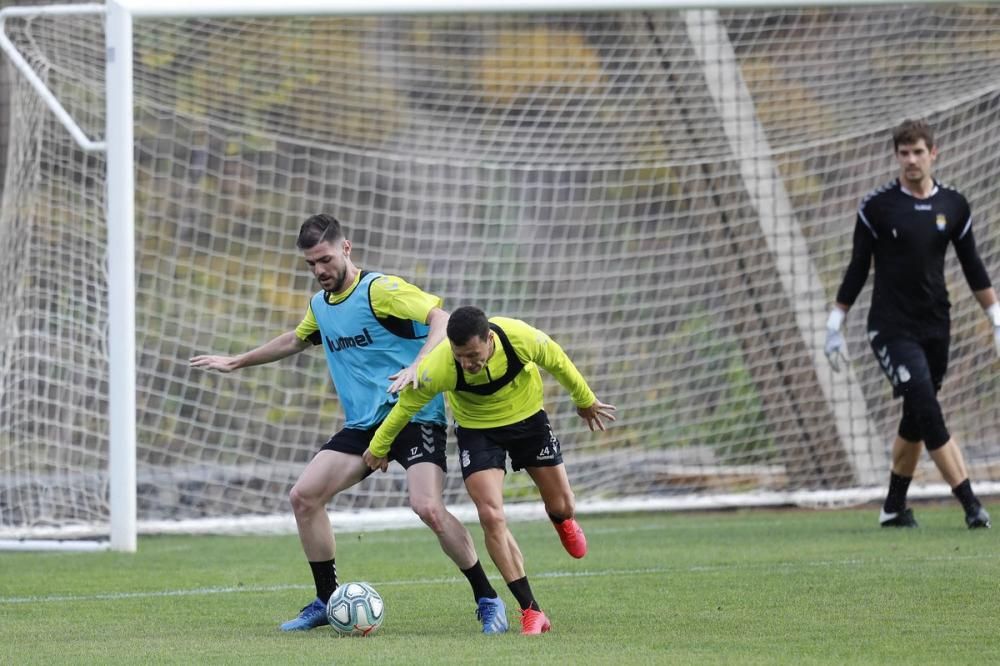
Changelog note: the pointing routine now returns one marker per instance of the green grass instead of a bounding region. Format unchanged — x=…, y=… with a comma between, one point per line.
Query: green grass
x=748, y=587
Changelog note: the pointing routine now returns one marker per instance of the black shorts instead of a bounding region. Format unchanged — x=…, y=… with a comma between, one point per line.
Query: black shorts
x=415, y=443
x=903, y=359
x=530, y=443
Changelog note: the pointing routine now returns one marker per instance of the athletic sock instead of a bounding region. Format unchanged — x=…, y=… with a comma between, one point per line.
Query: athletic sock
x=481, y=587
x=895, y=500
x=522, y=592
x=556, y=519
x=963, y=492
x=325, y=576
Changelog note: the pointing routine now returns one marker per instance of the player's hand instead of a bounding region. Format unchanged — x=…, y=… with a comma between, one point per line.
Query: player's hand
x=992, y=313
x=375, y=463
x=217, y=363
x=834, y=349
x=400, y=380
x=595, y=414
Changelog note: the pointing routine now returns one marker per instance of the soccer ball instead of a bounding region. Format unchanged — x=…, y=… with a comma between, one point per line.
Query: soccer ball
x=355, y=609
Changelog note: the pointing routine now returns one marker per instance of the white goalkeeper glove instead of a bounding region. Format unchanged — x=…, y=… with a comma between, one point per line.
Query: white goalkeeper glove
x=993, y=312
x=835, y=346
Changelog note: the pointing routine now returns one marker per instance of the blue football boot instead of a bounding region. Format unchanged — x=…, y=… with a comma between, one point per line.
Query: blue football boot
x=493, y=614
x=313, y=615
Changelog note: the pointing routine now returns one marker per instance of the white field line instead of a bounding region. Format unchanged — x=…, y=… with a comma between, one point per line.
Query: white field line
x=709, y=568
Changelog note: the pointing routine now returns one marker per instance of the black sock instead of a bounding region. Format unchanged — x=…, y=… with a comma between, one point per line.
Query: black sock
x=556, y=519
x=522, y=592
x=325, y=576
x=895, y=501
x=963, y=492
x=481, y=587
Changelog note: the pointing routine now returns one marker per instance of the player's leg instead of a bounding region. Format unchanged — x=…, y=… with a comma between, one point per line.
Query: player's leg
x=484, y=465
x=328, y=473
x=536, y=449
x=943, y=448
x=906, y=450
x=896, y=356
x=948, y=459
x=485, y=487
x=421, y=451
x=950, y=462
x=426, y=482
x=426, y=485
x=557, y=495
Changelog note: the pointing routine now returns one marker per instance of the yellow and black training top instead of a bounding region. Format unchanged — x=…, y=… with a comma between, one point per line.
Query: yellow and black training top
x=508, y=389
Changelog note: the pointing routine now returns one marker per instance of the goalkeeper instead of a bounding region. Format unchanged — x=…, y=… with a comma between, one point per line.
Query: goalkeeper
x=490, y=373
x=374, y=329
x=906, y=227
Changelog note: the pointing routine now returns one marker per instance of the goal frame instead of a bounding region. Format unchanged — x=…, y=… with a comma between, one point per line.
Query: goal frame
x=118, y=143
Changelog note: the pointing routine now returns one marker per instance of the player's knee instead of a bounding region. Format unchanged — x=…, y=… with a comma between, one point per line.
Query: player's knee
x=938, y=438
x=492, y=518
x=430, y=511
x=302, y=502
x=561, y=507
x=909, y=428
x=922, y=417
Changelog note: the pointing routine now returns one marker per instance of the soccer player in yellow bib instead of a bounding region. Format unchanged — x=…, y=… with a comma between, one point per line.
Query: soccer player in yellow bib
x=489, y=371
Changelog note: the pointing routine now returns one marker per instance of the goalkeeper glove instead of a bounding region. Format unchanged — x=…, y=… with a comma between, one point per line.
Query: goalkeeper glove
x=834, y=347
x=993, y=312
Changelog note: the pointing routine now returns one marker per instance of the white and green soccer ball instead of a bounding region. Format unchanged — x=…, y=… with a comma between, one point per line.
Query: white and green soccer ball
x=355, y=609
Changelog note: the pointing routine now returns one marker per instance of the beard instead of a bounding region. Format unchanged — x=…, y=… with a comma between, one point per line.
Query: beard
x=335, y=282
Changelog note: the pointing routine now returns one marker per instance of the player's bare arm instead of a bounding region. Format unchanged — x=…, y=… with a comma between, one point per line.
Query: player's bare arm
x=276, y=349
x=437, y=319
x=986, y=297
x=596, y=413
x=988, y=301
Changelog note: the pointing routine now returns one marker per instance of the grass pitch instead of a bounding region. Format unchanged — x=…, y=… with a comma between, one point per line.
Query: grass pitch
x=743, y=587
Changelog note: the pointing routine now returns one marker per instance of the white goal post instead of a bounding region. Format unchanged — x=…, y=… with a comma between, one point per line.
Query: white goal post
x=666, y=187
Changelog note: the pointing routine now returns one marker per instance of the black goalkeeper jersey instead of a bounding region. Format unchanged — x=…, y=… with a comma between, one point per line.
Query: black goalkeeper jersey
x=908, y=237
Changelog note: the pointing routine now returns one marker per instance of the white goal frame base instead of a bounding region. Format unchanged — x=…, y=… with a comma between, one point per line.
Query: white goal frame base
x=377, y=520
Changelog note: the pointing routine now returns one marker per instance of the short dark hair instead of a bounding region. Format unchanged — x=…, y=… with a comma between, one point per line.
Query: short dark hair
x=319, y=228
x=909, y=132
x=466, y=323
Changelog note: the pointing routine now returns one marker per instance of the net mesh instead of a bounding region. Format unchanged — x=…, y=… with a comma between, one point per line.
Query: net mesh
x=582, y=172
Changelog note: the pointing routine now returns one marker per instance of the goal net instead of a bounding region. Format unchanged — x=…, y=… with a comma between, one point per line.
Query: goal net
x=670, y=194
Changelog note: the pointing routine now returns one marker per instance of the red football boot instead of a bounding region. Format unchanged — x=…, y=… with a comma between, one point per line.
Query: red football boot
x=572, y=537
x=534, y=622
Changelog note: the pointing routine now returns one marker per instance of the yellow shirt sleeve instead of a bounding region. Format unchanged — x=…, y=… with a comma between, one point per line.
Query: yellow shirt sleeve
x=393, y=296
x=535, y=345
x=308, y=325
